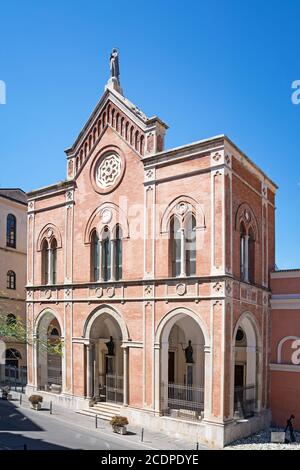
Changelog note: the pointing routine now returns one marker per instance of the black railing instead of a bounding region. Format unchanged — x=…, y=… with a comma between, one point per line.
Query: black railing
x=114, y=388
x=13, y=377
x=183, y=401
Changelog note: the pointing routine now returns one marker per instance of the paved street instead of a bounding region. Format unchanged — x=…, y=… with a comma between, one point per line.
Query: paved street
x=65, y=429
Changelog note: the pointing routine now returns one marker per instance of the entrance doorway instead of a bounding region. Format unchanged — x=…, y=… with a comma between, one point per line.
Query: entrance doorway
x=105, y=360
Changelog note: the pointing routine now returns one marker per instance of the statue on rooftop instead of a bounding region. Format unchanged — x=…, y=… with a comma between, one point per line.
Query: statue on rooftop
x=114, y=64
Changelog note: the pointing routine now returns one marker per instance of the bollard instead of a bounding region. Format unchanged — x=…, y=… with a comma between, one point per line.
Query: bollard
x=20, y=399
x=50, y=409
x=142, y=435
x=197, y=446
x=96, y=421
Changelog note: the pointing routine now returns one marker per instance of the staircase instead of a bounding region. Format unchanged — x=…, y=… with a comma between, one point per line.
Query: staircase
x=103, y=410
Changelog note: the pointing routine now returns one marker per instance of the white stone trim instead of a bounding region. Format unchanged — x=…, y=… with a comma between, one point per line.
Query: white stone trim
x=285, y=274
x=105, y=309
x=285, y=304
x=284, y=367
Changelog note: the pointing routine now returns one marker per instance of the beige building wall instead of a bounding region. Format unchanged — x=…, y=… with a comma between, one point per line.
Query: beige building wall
x=12, y=301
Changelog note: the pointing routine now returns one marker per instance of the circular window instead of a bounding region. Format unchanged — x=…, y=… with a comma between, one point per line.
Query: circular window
x=240, y=335
x=107, y=170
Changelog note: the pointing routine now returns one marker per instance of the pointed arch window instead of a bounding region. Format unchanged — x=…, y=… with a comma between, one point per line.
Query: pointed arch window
x=251, y=256
x=11, y=231
x=106, y=254
x=11, y=280
x=247, y=254
x=53, y=262
x=243, y=257
x=95, y=255
x=175, y=247
x=45, y=271
x=119, y=254
x=190, y=245
x=49, y=262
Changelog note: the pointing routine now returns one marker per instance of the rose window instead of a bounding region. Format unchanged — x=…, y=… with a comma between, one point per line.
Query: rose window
x=108, y=171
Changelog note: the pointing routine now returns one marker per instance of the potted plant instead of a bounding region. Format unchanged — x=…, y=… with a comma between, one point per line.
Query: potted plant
x=5, y=393
x=36, y=401
x=119, y=424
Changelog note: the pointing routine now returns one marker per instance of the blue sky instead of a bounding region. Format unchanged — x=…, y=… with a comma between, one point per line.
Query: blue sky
x=204, y=67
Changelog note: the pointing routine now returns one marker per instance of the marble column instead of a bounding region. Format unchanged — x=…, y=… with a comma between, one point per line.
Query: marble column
x=125, y=374
x=89, y=366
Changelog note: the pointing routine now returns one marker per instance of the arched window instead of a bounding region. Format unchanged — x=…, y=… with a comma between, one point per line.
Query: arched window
x=118, y=259
x=122, y=127
x=142, y=145
x=11, y=231
x=118, y=122
x=190, y=246
x=53, y=262
x=175, y=247
x=113, y=123
x=136, y=140
x=11, y=319
x=126, y=130
x=95, y=257
x=106, y=255
x=131, y=135
x=11, y=280
x=243, y=253
x=49, y=262
x=251, y=256
x=12, y=357
x=45, y=271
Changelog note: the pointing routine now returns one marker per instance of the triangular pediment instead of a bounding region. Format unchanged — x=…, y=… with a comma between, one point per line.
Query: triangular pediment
x=145, y=135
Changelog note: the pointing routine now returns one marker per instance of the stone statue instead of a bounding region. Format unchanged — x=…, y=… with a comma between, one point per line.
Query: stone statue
x=110, y=347
x=189, y=353
x=114, y=64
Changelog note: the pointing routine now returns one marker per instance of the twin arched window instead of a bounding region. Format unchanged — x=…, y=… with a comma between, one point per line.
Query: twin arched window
x=49, y=262
x=11, y=231
x=247, y=254
x=183, y=246
x=106, y=255
x=11, y=280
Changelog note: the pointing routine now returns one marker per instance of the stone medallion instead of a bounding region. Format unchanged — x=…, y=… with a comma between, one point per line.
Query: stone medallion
x=106, y=216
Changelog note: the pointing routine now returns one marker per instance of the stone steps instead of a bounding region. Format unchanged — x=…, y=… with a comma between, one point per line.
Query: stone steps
x=103, y=410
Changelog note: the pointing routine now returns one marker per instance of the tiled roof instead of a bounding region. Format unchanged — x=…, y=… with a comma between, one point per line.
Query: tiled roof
x=14, y=194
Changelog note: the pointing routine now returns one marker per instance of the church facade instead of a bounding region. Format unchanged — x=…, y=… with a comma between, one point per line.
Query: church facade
x=152, y=266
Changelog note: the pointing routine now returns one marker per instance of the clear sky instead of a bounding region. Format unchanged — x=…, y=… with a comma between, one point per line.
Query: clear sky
x=204, y=67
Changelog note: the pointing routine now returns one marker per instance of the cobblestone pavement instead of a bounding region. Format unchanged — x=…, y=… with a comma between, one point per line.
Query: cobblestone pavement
x=262, y=441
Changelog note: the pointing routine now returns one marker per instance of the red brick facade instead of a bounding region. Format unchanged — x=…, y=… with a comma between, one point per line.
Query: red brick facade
x=285, y=348
x=119, y=174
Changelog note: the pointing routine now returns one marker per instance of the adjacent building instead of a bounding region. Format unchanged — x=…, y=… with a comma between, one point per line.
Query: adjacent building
x=13, y=250
x=285, y=352
x=153, y=266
